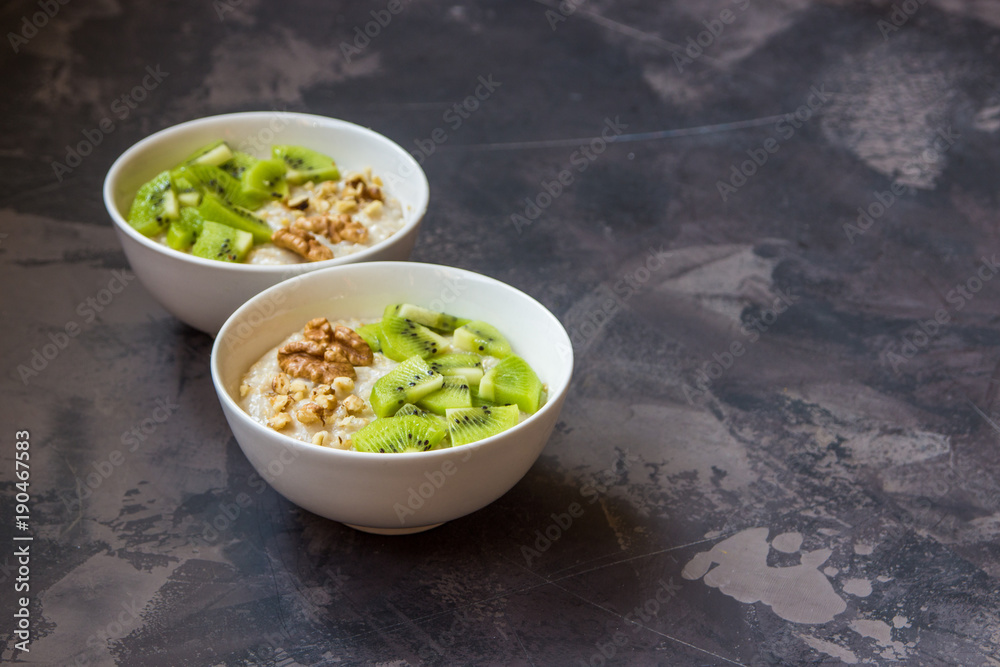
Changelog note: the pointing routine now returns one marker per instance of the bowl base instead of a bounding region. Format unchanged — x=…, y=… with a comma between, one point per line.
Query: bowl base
x=393, y=531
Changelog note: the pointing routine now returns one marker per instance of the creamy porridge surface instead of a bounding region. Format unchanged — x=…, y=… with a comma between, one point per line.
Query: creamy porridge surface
x=381, y=218
x=325, y=414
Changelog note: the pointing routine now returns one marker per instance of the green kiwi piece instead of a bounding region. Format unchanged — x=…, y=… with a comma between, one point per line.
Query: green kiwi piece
x=403, y=338
x=406, y=383
x=238, y=164
x=154, y=206
x=372, y=333
x=467, y=366
x=481, y=338
x=454, y=393
x=266, y=179
x=478, y=401
x=410, y=433
x=512, y=380
x=222, y=242
x=305, y=164
x=183, y=231
x=212, y=154
x=217, y=210
x=437, y=420
x=467, y=425
x=216, y=181
x=187, y=193
x=425, y=316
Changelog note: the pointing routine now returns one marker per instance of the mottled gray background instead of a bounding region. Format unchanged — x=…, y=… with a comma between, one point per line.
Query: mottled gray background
x=840, y=474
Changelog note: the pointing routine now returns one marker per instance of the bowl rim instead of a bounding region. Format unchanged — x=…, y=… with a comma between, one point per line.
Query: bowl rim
x=118, y=167
x=554, y=399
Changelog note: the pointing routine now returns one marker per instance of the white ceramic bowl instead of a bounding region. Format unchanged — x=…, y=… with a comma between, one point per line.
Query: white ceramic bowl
x=203, y=292
x=391, y=493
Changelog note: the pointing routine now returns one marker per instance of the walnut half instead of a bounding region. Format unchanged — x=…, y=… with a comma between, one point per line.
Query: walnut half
x=325, y=353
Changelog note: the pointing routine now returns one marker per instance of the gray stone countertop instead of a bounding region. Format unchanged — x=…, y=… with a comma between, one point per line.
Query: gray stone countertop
x=777, y=268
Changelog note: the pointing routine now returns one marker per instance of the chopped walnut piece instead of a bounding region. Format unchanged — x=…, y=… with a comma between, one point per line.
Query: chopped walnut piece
x=365, y=190
x=244, y=390
x=374, y=209
x=320, y=438
x=298, y=201
x=354, y=404
x=310, y=413
x=328, y=402
x=279, y=421
x=279, y=383
x=343, y=385
x=280, y=402
x=346, y=206
x=354, y=232
x=301, y=243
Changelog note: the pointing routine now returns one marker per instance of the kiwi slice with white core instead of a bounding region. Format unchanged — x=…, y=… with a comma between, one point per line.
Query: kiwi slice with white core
x=154, y=206
x=305, y=164
x=467, y=425
x=266, y=179
x=222, y=242
x=482, y=338
x=427, y=317
x=512, y=380
x=217, y=210
x=213, y=154
x=454, y=393
x=406, y=383
x=396, y=435
x=403, y=338
x=460, y=364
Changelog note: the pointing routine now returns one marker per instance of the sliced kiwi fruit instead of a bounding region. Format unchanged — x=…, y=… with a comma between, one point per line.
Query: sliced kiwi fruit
x=305, y=164
x=403, y=338
x=372, y=333
x=425, y=316
x=482, y=338
x=437, y=420
x=478, y=401
x=410, y=433
x=222, y=242
x=154, y=206
x=406, y=383
x=467, y=425
x=185, y=229
x=512, y=381
x=212, y=154
x=220, y=183
x=217, y=210
x=460, y=364
x=454, y=393
x=187, y=193
x=266, y=179
x=238, y=164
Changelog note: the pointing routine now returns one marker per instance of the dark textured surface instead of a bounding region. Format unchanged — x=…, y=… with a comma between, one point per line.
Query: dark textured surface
x=851, y=431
